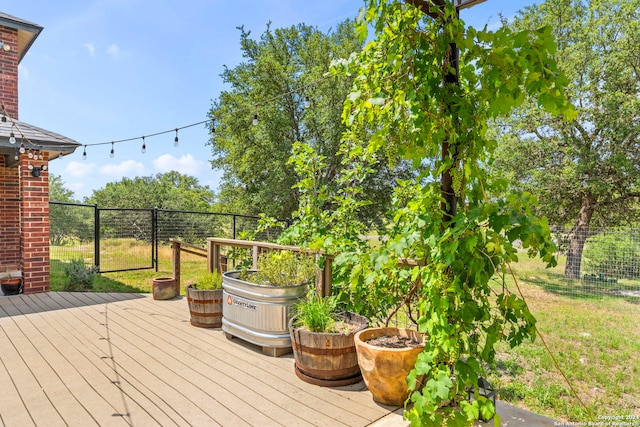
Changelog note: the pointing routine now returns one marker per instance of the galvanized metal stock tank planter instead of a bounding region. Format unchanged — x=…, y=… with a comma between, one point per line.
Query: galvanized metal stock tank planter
x=259, y=314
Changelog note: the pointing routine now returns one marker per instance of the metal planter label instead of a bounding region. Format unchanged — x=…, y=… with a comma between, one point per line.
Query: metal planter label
x=241, y=303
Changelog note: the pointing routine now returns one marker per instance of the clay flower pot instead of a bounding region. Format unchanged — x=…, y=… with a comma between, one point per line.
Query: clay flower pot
x=385, y=370
x=11, y=286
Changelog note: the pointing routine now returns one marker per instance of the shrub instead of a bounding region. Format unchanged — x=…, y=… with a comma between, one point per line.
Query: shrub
x=78, y=276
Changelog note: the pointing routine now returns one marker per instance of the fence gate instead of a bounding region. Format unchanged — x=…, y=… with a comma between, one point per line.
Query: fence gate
x=126, y=239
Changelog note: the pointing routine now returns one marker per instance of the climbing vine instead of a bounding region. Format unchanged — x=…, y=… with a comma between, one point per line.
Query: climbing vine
x=445, y=238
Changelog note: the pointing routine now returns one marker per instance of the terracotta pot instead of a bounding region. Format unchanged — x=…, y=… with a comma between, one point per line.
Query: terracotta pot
x=385, y=370
x=12, y=286
x=327, y=359
x=164, y=288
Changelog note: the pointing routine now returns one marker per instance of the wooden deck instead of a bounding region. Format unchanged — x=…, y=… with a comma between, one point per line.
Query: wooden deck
x=81, y=359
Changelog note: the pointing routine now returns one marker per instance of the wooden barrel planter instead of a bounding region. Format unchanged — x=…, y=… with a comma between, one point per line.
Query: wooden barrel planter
x=205, y=307
x=327, y=359
x=164, y=288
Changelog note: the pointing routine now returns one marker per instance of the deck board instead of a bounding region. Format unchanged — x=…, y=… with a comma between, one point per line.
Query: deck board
x=126, y=359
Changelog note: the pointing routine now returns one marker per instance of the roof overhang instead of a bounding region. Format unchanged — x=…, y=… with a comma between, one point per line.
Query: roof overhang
x=27, y=32
x=33, y=138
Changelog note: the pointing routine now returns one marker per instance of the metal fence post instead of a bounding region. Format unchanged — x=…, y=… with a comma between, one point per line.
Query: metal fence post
x=96, y=235
x=154, y=238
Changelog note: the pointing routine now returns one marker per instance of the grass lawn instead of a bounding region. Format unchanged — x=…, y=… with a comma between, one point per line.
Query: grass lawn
x=595, y=340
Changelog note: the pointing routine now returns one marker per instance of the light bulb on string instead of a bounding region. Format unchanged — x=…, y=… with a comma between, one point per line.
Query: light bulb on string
x=16, y=156
x=4, y=119
x=22, y=149
x=213, y=126
x=30, y=154
x=307, y=102
x=84, y=153
x=255, y=119
x=175, y=140
x=12, y=138
x=112, y=153
x=144, y=146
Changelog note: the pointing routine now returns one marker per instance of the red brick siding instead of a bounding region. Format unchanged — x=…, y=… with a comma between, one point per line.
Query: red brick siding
x=9, y=218
x=9, y=71
x=35, y=227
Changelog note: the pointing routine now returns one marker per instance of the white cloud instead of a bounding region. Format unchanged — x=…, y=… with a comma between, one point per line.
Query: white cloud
x=114, y=51
x=79, y=169
x=90, y=48
x=186, y=164
x=126, y=168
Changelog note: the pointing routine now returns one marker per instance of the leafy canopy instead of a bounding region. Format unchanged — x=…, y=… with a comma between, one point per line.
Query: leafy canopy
x=595, y=158
x=281, y=70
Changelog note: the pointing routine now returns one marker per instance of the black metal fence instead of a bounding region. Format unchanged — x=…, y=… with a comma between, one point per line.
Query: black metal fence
x=129, y=239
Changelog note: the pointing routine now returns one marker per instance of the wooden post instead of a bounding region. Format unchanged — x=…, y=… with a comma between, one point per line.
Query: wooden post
x=326, y=276
x=255, y=254
x=212, y=248
x=175, y=261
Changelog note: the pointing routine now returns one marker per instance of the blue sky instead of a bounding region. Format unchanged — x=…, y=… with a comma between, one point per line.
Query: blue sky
x=105, y=70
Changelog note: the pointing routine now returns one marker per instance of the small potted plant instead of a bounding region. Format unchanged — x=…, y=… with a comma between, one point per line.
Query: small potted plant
x=322, y=341
x=205, y=300
x=257, y=303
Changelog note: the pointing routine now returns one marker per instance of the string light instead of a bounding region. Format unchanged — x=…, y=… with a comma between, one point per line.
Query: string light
x=144, y=146
x=30, y=154
x=16, y=156
x=255, y=121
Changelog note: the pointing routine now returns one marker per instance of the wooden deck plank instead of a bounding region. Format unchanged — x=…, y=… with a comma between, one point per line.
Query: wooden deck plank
x=97, y=359
x=268, y=402
x=136, y=397
x=280, y=371
x=141, y=363
x=93, y=387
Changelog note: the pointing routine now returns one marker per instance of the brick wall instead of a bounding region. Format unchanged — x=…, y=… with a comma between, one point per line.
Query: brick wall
x=9, y=218
x=9, y=71
x=35, y=226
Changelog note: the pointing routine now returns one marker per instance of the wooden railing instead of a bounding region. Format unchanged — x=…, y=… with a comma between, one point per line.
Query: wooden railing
x=215, y=259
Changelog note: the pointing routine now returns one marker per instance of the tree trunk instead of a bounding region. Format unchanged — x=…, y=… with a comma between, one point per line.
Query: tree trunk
x=578, y=237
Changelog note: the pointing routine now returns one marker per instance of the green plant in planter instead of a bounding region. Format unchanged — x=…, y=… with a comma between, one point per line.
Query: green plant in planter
x=209, y=281
x=282, y=268
x=317, y=314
